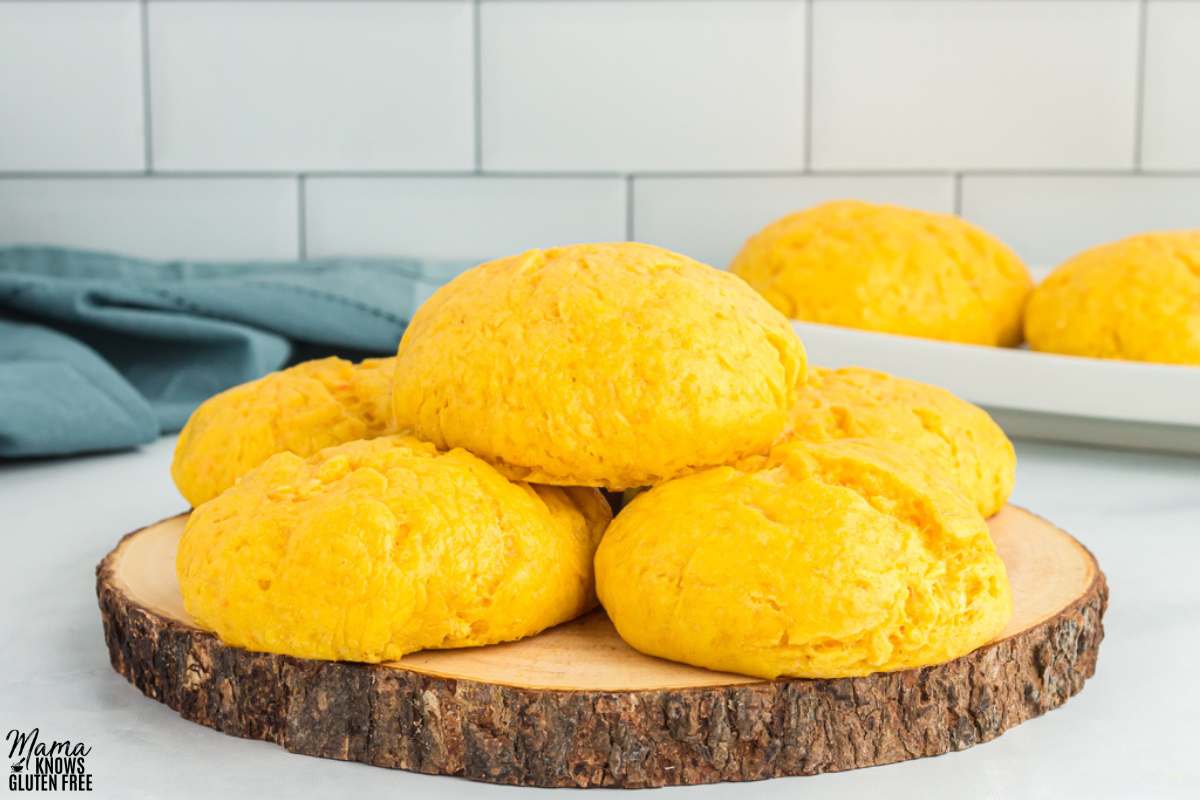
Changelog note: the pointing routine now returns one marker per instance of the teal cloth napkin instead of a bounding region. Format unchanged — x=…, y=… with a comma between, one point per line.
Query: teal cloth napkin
x=100, y=351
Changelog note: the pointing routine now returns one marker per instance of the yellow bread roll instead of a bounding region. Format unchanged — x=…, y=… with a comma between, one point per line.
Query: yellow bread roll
x=891, y=269
x=1136, y=299
x=300, y=410
x=945, y=432
x=817, y=561
x=377, y=548
x=611, y=365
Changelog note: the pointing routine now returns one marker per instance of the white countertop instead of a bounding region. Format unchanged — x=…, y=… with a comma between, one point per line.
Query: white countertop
x=1131, y=733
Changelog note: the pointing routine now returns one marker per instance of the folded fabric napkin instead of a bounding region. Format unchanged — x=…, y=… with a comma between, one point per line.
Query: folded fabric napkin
x=100, y=351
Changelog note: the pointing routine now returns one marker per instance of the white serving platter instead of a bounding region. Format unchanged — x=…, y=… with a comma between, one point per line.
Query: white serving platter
x=1037, y=395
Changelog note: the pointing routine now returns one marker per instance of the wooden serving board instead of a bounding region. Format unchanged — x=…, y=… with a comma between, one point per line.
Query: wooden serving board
x=575, y=706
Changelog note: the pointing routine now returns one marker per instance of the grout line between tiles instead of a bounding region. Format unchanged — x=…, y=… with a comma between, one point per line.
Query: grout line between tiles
x=809, y=38
x=513, y=2
x=518, y=2
x=483, y=174
x=477, y=54
x=629, y=208
x=302, y=216
x=790, y=173
x=1139, y=109
x=127, y=174
x=147, y=121
x=308, y=173
x=550, y=176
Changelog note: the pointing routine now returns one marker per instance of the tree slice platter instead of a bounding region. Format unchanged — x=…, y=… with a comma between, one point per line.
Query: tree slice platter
x=575, y=706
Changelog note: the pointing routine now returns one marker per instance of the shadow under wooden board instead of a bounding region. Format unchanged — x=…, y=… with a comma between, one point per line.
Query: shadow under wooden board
x=575, y=706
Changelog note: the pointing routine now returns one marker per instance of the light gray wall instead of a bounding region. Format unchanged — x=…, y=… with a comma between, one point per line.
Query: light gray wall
x=451, y=128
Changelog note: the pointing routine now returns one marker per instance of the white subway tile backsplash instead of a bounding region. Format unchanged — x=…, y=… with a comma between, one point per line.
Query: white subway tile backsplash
x=631, y=85
x=1047, y=218
x=1171, y=120
x=703, y=102
x=70, y=86
x=709, y=218
x=989, y=84
x=312, y=85
x=473, y=218
x=167, y=218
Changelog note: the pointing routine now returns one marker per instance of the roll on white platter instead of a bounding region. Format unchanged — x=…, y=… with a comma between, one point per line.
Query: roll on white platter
x=1035, y=395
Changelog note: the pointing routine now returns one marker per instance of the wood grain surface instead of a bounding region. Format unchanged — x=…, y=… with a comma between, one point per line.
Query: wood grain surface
x=575, y=706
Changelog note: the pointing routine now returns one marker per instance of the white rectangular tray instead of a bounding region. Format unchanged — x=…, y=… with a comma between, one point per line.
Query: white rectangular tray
x=1039, y=395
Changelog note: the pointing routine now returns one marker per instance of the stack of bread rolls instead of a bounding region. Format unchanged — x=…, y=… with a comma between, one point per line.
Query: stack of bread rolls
x=788, y=519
